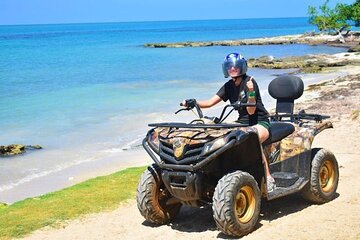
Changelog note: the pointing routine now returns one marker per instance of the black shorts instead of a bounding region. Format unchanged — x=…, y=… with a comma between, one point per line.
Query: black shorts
x=265, y=124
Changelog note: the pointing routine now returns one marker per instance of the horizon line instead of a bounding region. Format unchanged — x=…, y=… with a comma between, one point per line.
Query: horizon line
x=143, y=21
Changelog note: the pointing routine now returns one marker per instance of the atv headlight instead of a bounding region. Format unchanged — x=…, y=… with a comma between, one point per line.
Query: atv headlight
x=153, y=140
x=214, y=145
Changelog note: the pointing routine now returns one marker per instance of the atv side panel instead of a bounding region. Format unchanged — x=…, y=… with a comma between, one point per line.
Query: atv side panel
x=291, y=159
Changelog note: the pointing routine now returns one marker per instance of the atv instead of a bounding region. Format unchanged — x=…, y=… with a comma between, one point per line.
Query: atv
x=210, y=162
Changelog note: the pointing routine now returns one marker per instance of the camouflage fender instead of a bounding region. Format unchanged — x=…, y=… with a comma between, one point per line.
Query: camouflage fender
x=300, y=140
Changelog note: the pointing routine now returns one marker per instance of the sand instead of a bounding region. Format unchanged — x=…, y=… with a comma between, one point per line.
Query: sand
x=289, y=217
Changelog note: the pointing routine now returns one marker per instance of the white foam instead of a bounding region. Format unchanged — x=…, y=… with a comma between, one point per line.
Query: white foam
x=113, y=150
x=55, y=169
x=59, y=167
x=130, y=144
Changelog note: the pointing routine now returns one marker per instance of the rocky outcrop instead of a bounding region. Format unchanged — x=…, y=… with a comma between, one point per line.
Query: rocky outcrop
x=337, y=98
x=307, y=63
x=15, y=149
x=355, y=48
x=312, y=39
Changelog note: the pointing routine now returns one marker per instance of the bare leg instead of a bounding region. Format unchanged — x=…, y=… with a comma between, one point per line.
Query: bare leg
x=263, y=135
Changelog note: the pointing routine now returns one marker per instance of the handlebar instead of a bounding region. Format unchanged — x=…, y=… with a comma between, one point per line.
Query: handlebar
x=191, y=103
x=237, y=105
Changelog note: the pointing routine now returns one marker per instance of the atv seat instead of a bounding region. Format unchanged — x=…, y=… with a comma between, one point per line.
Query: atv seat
x=279, y=130
x=285, y=89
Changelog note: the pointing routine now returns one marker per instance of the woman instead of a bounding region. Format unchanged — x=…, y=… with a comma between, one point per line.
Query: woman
x=244, y=88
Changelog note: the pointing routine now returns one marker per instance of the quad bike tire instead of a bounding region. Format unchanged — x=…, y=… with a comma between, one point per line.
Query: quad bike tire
x=236, y=203
x=152, y=197
x=324, y=177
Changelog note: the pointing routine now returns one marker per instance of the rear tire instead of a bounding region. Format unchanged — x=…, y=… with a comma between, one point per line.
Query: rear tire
x=236, y=203
x=324, y=177
x=152, y=197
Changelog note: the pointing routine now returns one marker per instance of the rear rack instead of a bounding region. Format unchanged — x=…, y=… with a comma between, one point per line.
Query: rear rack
x=298, y=117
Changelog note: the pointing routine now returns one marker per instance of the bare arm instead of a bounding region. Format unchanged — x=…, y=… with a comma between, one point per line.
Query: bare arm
x=251, y=110
x=250, y=86
x=208, y=103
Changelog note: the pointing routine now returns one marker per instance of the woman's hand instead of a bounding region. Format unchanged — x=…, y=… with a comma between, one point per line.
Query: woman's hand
x=251, y=97
x=250, y=85
x=203, y=103
x=189, y=103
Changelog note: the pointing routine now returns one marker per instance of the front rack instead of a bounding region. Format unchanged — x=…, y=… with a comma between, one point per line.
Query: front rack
x=187, y=125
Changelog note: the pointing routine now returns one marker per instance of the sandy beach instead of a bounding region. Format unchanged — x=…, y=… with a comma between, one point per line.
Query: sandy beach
x=289, y=217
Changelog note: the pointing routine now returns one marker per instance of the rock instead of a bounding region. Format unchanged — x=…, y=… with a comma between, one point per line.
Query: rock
x=355, y=115
x=354, y=48
x=305, y=64
x=33, y=147
x=15, y=149
x=311, y=33
x=307, y=38
x=12, y=149
x=266, y=58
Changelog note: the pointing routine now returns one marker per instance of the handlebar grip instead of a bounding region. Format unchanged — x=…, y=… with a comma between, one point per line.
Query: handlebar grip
x=182, y=105
x=248, y=104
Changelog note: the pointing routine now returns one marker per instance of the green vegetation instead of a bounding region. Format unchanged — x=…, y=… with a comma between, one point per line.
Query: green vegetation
x=334, y=19
x=95, y=195
x=350, y=12
x=3, y=205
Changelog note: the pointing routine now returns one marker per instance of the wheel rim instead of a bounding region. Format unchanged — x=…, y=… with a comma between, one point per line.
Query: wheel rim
x=327, y=176
x=245, y=204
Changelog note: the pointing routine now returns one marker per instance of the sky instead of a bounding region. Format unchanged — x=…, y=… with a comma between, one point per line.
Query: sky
x=15, y=12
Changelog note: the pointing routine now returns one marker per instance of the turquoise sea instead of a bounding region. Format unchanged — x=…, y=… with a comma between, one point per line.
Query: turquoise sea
x=87, y=91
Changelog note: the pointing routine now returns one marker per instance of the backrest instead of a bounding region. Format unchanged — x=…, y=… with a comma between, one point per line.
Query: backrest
x=285, y=89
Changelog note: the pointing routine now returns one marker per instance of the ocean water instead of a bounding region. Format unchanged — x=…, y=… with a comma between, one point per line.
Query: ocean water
x=87, y=91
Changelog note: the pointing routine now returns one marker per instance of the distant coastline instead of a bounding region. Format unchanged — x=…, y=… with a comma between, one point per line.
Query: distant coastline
x=311, y=38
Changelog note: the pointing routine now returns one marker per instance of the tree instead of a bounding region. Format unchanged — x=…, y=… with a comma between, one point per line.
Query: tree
x=330, y=20
x=352, y=12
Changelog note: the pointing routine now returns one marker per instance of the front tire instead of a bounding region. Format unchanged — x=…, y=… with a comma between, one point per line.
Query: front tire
x=152, y=198
x=324, y=177
x=236, y=203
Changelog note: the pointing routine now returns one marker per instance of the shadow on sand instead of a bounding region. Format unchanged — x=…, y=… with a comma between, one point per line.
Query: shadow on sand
x=200, y=219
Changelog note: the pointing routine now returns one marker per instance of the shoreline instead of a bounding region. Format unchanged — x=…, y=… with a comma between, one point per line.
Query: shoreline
x=134, y=156
x=75, y=174
x=351, y=40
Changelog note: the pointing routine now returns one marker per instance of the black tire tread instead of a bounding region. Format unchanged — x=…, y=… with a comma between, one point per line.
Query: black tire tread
x=223, y=202
x=312, y=191
x=148, y=203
